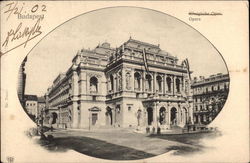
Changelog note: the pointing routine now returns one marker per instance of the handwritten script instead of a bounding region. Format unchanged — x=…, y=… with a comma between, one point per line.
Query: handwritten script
x=22, y=34
x=28, y=33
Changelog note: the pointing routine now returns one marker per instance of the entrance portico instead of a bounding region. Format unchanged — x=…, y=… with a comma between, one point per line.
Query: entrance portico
x=165, y=113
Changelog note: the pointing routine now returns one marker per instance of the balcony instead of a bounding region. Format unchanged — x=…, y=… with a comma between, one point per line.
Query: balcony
x=201, y=111
x=93, y=92
x=138, y=90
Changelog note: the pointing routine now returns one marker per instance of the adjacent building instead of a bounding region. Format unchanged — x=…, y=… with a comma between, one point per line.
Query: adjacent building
x=40, y=105
x=21, y=82
x=31, y=103
x=209, y=95
x=136, y=84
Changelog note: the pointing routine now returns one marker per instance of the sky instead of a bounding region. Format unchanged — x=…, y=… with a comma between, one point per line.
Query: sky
x=55, y=52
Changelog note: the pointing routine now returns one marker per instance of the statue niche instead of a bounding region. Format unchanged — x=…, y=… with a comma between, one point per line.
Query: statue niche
x=93, y=84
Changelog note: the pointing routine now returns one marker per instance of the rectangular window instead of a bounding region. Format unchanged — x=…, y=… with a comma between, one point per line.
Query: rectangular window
x=129, y=107
x=94, y=98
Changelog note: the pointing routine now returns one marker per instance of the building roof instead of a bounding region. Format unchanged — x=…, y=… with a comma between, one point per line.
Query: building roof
x=143, y=43
x=150, y=48
x=211, y=79
x=59, y=77
x=30, y=97
x=41, y=99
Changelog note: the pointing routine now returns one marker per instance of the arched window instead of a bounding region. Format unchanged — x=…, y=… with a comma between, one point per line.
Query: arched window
x=177, y=82
x=212, y=88
x=112, y=82
x=93, y=84
x=148, y=82
x=137, y=77
x=150, y=116
x=173, y=116
x=169, y=84
x=159, y=83
x=185, y=116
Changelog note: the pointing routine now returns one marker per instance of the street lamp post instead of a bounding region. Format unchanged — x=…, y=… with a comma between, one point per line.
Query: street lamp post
x=89, y=120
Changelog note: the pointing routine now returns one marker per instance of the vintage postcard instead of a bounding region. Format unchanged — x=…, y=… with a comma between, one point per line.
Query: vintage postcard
x=130, y=81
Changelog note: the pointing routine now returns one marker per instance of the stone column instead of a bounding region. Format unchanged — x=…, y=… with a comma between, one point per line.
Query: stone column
x=184, y=84
x=154, y=82
x=164, y=84
x=155, y=114
x=100, y=86
x=113, y=117
x=181, y=115
x=204, y=118
x=173, y=85
x=169, y=115
x=75, y=83
x=190, y=112
x=123, y=80
x=180, y=118
x=119, y=81
x=181, y=84
x=115, y=84
x=59, y=115
x=143, y=81
x=108, y=85
x=82, y=83
x=132, y=80
x=145, y=115
x=75, y=115
x=177, y=115
x=74, y=99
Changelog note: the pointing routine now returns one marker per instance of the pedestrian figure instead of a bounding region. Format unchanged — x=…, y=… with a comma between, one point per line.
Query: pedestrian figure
x=50, y=122
x=175, y=122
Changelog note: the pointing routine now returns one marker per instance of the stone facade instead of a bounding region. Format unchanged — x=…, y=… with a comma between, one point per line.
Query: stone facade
x=209, y=96
x=112, y=87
